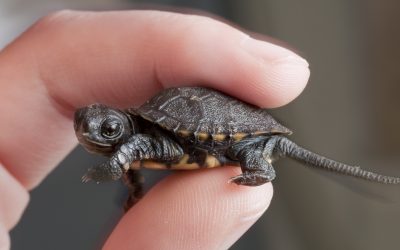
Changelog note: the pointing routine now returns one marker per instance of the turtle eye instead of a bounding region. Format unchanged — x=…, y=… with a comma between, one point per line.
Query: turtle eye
x=111, y=129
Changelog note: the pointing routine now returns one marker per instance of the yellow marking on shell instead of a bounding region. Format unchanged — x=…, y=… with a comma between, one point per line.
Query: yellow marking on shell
x=148, y=164
x=239, y=136
x=183, y=133
x=212, y=162
x=154, y=164
x=219, y=137
x=202, y=136
x=135, y=165
x=184, y=165
x=279, y=131
x=259, y=133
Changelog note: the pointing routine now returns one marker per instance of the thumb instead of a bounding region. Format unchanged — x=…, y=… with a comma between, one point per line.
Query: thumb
x=198, y=210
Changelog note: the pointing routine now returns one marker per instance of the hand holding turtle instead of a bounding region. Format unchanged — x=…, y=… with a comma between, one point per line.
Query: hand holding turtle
x=72, y=59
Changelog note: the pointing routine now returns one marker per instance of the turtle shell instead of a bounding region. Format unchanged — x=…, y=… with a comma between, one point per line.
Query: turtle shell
x=207, y=113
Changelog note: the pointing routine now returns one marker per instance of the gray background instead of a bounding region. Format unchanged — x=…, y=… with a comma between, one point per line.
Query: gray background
x=349, y=111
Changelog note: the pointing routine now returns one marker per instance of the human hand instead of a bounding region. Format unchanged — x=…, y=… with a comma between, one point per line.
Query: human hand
x=71, y=59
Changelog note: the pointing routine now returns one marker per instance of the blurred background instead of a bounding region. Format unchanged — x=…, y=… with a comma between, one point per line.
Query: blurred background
x=349, y=111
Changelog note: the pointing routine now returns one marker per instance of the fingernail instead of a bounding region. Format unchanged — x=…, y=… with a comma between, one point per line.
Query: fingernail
x=271, y=53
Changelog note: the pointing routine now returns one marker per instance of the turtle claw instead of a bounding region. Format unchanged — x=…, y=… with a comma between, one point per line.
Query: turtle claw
x=86, y=178
x=239, y=180
x=103, y=172
x=252, y=178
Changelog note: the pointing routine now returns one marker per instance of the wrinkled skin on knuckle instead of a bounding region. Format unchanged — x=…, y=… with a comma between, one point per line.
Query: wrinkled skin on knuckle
x=54, y=28
x=32, y=43
x=195, y=28
x=37, y=41
x=54, y=21
x=195, y=49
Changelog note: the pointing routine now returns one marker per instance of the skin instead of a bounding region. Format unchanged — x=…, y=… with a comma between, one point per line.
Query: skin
x=71, y=59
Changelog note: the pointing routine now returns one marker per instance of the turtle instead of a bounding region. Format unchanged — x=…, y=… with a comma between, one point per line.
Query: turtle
x=186, y=128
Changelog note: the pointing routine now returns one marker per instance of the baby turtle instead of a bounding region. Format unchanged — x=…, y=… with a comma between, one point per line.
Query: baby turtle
x=190, y=128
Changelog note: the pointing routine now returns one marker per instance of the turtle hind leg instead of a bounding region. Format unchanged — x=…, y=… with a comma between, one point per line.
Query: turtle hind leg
x=254, y=155
x=133, y=179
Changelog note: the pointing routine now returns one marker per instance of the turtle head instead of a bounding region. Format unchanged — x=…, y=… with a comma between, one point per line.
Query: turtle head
x=101, y=129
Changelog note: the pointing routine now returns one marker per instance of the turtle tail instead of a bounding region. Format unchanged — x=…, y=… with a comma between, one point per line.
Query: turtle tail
x=288, y=148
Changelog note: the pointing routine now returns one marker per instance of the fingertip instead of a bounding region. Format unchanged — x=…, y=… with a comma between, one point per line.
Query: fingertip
x=279, y=75
x=284, y=82
x=188, y=209
x=255, y=71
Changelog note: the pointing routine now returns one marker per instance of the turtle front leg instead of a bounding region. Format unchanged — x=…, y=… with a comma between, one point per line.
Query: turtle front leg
x=138, y=147
x=255, y=157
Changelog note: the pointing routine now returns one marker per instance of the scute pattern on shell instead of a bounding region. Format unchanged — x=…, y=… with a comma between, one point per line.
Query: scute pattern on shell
x=202, y=110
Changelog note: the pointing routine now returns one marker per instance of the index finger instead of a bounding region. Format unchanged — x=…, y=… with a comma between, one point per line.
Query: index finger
x=71, y=59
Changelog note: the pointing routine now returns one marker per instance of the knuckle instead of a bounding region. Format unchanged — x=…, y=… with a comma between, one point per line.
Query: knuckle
x=197, y=39
x=207, y=32
x=199, y=27
x=54, y=20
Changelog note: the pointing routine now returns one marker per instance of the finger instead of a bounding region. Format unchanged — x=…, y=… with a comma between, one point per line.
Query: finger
x=189, y=210
x=71, y=59
x=13, y=201
x=4, y=238
x=156, y=49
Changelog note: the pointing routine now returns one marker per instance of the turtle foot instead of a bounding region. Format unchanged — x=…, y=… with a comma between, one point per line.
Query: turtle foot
x=252, y=178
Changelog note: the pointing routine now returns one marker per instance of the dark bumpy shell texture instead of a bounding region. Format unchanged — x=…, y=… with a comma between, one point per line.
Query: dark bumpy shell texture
x=201, y=110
